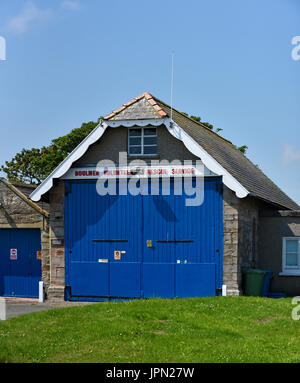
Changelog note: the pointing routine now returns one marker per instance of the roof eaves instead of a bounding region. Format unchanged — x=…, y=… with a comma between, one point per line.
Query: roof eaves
x=276, y=204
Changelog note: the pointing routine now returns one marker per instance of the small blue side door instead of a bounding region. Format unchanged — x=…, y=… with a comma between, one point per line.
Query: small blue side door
x=20, y=270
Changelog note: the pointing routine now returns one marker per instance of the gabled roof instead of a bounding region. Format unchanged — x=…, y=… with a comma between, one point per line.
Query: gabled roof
x=238, y=172
x=141, y=107
x=235, y=162
x=27, y=190
x=18, y=190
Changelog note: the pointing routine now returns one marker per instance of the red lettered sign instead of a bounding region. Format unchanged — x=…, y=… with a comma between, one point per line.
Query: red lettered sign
x=13, y=254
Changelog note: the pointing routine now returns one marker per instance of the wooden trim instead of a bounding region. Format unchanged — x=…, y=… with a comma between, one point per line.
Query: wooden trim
x=174, y=129
x=37, y=225
x=24, y=198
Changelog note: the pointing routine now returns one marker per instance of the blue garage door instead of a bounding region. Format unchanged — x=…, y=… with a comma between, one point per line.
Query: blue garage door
x=127, y=246
x=20, y=270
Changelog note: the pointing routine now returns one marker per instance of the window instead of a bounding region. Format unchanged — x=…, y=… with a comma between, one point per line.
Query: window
x=291, y=256
x=142, y=142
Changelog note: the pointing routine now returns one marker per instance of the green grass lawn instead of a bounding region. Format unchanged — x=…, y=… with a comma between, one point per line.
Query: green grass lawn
x=222, y=329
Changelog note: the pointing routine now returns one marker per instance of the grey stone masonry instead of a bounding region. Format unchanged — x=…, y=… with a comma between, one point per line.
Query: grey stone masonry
x=45, y=243
x=230, y=242
x=240, y=219
x=55, y=290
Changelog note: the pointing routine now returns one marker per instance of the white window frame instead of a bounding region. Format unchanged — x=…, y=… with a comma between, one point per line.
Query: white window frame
x=289, y=270
x=142, y=142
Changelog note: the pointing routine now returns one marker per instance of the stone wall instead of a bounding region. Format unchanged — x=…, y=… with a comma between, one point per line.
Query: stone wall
x=55, y=291
x=45, y=243
x=230, y=242
x=240, y=222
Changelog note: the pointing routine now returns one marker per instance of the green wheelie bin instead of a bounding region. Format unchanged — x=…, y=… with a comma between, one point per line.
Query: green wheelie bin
x=254, y=279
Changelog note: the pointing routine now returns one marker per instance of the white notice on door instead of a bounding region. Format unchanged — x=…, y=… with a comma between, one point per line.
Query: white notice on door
x=13, y=254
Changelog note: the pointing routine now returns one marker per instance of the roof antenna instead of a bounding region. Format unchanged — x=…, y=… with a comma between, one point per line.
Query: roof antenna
x=172, y=81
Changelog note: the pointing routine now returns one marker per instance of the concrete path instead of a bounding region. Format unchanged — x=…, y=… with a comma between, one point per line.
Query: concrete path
x=19, y=307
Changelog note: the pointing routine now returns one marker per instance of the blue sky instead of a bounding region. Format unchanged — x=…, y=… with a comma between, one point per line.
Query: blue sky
x=70, y=61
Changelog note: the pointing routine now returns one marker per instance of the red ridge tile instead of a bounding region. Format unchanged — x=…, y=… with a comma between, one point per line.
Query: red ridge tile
x=145, y=95
x=162, y=113
x=119, y=109
x=152, y=102
x=130, y=102
x=148, y=95
x=140, y=97
x=109, y=116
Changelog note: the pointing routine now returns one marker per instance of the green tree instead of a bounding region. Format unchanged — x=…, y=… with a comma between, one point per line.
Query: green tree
x=22, y=167
x=243, y=148
x=34, y=165
x=198, y=119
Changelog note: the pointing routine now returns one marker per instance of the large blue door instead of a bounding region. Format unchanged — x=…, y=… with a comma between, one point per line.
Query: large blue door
x=145, y=245
x=20, y=270
x=185, y=256
x=103, y=243
x=160, y=218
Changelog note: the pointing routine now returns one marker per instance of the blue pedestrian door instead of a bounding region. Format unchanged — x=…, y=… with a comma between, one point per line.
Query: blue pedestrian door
x=20, y=270
x=134, y=246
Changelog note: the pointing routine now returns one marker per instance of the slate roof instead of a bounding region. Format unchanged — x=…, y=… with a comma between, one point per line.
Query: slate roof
x=27, y=190
x=141, y=107
x=222, y=150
